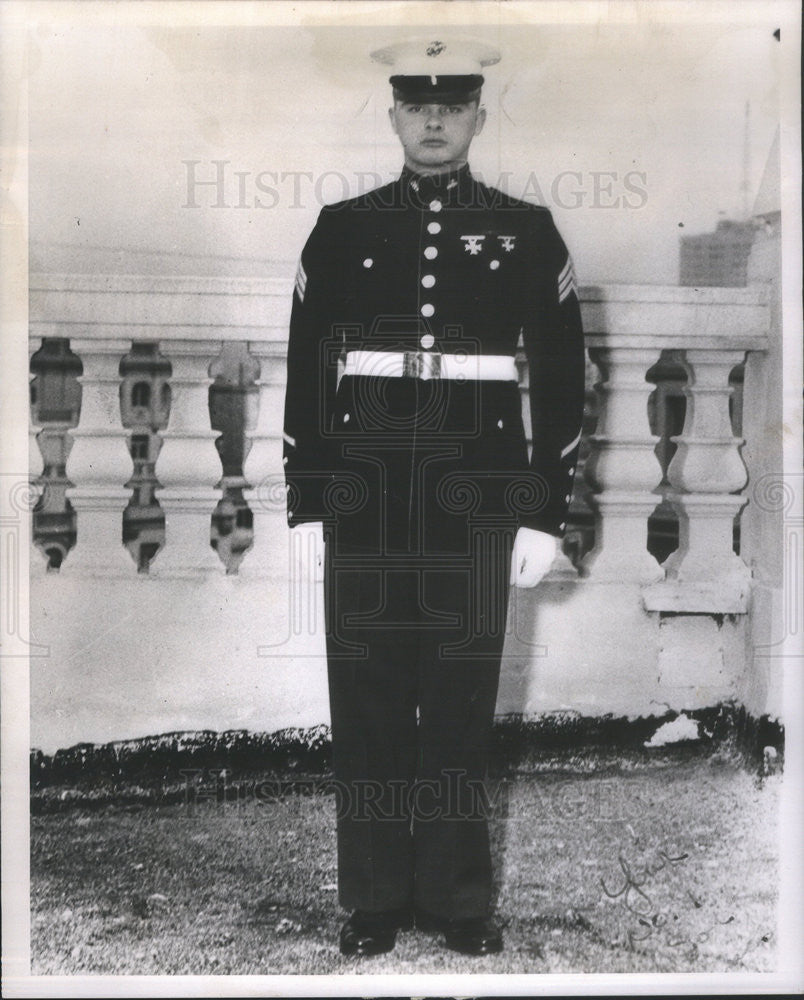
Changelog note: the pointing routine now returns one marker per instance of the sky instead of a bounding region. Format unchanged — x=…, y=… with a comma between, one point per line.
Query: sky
x=633, y=134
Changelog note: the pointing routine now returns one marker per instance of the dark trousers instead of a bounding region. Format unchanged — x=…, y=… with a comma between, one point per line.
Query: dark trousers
x=414, y=647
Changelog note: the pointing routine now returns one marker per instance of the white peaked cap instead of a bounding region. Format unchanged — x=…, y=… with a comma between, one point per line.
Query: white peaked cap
x=437, y=56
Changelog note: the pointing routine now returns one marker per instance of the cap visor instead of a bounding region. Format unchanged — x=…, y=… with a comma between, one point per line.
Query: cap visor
x=445, y=90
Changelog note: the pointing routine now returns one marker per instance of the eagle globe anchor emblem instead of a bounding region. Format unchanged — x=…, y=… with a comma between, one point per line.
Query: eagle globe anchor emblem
x=435, y=48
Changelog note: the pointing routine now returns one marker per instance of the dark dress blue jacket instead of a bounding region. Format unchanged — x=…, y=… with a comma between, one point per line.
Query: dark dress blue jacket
x=446, y=265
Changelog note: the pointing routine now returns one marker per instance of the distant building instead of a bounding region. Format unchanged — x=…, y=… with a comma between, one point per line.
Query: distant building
x=718, y=258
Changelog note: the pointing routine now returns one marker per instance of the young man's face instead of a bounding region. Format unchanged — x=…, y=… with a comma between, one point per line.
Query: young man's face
x=436, y=137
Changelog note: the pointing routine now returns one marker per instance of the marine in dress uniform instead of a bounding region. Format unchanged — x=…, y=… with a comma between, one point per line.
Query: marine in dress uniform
x=404, y=439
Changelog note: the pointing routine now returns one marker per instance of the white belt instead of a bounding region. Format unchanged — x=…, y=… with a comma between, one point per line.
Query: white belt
x=426, y=365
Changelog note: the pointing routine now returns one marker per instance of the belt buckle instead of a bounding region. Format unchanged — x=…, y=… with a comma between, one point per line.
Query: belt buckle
x=432, y=366
x=421, y=364
x=412, y=364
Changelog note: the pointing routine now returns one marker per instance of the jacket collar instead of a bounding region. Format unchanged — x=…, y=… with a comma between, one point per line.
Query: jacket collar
x=449, y=188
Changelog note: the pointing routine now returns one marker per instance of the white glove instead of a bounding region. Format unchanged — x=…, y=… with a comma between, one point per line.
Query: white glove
x=307, y=550
x=533, y=555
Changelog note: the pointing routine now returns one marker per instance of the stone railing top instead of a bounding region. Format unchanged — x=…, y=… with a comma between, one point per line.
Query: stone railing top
x=671, y=316
x=278, y=283
x=155, y=307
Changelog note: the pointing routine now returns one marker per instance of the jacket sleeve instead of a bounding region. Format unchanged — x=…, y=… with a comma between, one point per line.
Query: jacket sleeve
x=553, y=341
x=311, y=380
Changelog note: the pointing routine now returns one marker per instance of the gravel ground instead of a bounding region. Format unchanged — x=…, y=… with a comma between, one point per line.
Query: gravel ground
x=648, y=868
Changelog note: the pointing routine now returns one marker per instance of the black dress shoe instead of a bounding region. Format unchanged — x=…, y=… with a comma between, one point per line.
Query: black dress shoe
x=367, y=933
x=469, y=936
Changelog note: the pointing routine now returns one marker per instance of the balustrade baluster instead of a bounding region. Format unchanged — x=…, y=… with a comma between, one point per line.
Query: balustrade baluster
x=263, y=464
x=704, y=573
x=36, y=486
x=99, y=463
x=622, y=469
x=188, y=466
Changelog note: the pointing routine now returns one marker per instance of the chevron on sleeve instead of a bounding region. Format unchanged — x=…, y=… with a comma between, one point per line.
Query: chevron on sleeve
x=566, y=281
x=301, y=281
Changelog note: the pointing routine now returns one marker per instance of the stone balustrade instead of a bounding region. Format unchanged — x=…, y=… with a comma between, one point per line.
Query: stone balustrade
x=709, y=333
x=706, y=331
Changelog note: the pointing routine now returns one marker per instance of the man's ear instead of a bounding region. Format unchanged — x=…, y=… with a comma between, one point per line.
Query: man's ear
x=481, y=120
x=392, y=118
